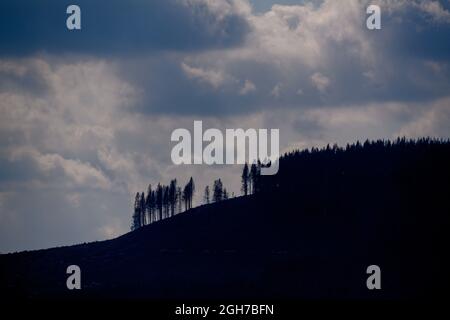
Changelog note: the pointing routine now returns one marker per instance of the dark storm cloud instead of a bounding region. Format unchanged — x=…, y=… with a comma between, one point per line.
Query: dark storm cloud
x=419, y=30
x=116, y=27
x=323, y=59
x=405, y=61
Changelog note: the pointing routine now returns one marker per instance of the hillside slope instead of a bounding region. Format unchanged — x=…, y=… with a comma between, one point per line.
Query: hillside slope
x=310, y=238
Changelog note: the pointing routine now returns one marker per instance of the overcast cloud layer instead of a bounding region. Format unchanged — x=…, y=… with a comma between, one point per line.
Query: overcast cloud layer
x=86, y=116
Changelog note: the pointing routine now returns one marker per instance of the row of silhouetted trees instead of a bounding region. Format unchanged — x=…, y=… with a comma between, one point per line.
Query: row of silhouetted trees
x=162, y=202
x=250, y=178
x=317, y=180
x=326, y=175
x=219, y=193
x=166, y=201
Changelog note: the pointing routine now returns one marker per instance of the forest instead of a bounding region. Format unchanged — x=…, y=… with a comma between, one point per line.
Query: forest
x=308, y=232
x=322, y=175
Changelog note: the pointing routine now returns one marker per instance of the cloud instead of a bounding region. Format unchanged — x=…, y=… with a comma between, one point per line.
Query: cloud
x=79, y=173
x=307, y=46
x=74, y=199
x=435, y=10
x=64, y=147
x=212, y=77
x=432, y=121
x=247, y=88
x=116, y=27
x=276, y=90
x=86, y=117
x=111, y=230
x=320, y=81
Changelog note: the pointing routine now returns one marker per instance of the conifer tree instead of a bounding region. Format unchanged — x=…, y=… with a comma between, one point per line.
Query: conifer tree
x=206, y=195
x=245, y=180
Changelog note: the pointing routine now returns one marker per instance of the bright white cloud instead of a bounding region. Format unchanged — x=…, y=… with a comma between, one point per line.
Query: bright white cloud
x=79, y=173
x=213, y=77
x=432, y=121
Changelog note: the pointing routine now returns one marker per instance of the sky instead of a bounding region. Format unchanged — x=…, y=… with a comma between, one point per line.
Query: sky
x=86, y=116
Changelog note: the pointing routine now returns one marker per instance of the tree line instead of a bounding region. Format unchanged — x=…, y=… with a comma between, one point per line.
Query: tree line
x=165, y=201
x=162, y=202
x=219, y=193
x=319, y=174
x=321, y=177
x=251, y=178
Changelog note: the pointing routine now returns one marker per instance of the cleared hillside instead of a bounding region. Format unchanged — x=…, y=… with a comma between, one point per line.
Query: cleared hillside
x=310, y=232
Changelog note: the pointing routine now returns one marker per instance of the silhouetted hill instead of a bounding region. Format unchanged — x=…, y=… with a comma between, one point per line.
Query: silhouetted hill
x=310, y=232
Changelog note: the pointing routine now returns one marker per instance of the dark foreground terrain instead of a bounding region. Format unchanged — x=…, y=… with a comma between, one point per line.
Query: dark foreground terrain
x=309, y=233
